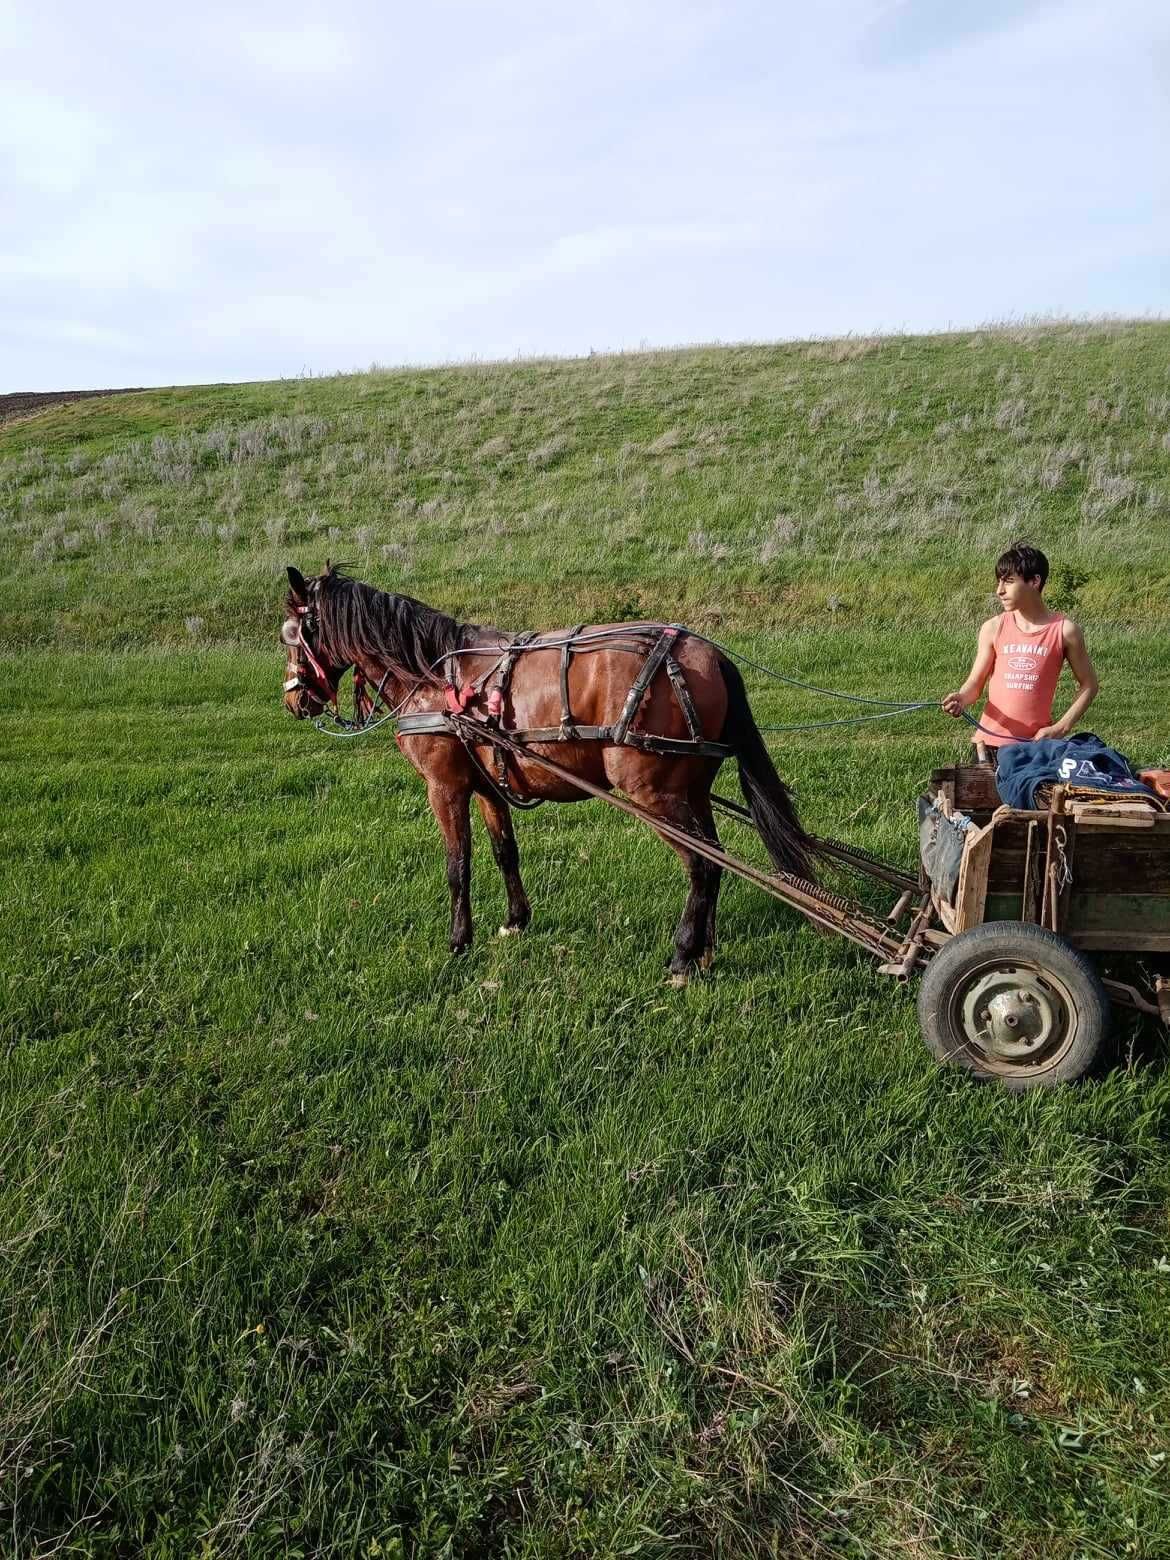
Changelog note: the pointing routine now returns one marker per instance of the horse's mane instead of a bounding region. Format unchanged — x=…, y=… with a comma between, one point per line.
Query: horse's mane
x=358, y=622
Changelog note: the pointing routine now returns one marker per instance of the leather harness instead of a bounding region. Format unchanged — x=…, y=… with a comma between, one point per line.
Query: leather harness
x=453, y=719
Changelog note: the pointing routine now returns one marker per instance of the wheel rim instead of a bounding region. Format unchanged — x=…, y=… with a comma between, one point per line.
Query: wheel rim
x=1016, y=1016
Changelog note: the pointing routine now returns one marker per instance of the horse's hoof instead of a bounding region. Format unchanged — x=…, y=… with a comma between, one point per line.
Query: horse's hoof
x=459, y=949
x=678, y=981
x=706, y=962
x=509, y=931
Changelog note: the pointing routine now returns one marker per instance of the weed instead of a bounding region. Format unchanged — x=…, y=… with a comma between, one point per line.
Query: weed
x=1066, y=586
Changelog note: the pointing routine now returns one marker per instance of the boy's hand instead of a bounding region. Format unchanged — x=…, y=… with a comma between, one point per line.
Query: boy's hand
x=954, y=703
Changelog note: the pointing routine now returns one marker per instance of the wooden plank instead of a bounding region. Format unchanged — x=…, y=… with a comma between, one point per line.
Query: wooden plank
x=971, y=787
x=1121, y=942
x=975, y=787
x=1138, y=921
x=1137, y=859
x=972, y=889
x=1113, y=817
x=1030, y=898
x=1129, y=859
x=1009, y=859
x=1133, y=913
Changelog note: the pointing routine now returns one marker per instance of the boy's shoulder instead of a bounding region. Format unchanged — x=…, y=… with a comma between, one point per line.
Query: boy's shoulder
x=1070, y=628
x=1071, y=631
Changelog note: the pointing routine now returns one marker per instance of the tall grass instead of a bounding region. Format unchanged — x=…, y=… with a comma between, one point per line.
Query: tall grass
x=313, y=1241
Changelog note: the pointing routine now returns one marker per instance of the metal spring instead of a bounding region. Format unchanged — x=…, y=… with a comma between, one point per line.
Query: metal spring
x=823, y=895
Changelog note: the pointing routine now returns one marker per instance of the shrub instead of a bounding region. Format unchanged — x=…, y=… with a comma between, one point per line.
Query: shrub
x=781, y=534
x=545, y=454
x=395, y=554
x=664, y=442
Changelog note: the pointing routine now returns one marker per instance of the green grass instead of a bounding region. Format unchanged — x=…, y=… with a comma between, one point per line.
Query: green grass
x=313, y=1241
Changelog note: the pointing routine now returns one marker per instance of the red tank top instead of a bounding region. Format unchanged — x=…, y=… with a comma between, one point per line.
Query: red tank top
x=1023, y=681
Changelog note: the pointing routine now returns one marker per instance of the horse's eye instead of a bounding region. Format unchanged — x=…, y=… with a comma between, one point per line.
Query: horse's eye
x=288, y=632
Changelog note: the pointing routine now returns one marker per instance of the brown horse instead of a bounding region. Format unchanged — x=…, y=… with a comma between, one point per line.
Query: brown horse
x=419, y=660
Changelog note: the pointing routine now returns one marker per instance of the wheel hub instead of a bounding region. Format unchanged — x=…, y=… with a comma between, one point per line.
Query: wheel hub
x=1013, y=1014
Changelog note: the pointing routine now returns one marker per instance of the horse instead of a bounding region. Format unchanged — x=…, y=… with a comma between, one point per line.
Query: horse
x=619, y=712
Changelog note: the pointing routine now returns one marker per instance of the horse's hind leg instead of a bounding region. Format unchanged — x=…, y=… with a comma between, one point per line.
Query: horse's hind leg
x=701, y=804
x=452, y=807
x=497, y=817
x=691, y=935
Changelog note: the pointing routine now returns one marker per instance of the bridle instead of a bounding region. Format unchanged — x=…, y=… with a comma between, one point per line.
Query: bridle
x=310, y=674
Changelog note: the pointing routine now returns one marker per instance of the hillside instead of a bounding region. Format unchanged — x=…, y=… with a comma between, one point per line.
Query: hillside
x=315, y=1241
x=850, y=482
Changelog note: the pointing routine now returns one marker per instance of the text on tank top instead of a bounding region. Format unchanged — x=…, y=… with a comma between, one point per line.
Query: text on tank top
x=1023, y=680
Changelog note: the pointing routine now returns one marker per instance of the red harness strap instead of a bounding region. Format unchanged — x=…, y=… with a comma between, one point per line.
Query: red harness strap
x=457, y=699
x=324, y=690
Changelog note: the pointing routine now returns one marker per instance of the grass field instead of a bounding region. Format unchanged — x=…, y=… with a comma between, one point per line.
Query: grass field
x=316, y=1242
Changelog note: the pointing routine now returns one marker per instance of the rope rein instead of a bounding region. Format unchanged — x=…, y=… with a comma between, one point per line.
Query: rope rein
x=598, y=639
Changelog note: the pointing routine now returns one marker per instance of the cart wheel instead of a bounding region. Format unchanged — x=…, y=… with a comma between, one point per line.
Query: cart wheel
x=1011, y=1001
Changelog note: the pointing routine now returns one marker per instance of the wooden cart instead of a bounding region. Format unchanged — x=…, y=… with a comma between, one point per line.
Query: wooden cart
x=1011, y=991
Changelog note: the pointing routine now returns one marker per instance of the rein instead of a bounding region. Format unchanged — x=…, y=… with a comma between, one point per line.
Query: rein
x=458, y=693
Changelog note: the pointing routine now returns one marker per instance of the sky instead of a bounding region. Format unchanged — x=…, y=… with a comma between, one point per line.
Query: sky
x=258, y=191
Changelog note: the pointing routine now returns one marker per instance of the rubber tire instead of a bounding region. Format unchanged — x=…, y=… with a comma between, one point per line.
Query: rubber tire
x=963, y=955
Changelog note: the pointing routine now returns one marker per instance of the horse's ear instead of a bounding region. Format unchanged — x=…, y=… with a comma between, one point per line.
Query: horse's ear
x=329, y=566
x=297, y=580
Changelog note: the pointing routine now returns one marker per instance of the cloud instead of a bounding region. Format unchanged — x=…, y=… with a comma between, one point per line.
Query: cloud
x=73, y=333
x=308, y=49
x=910, y=30
x=581, y=251
x=47, y=146
x=238, y=194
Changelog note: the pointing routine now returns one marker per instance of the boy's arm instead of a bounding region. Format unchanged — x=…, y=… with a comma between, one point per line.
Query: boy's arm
x=1087, y=685
x=962, y=699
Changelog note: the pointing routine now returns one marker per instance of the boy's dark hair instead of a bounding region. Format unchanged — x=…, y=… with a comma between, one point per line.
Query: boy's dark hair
x=1023, y=559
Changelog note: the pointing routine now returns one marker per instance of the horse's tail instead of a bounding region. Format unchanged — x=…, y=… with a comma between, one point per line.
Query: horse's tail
x=766, y=794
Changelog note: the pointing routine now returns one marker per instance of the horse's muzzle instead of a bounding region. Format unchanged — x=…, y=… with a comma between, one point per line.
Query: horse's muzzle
x=299, y=701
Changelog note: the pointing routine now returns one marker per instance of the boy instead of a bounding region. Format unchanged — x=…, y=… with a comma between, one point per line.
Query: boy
x=1022, y=651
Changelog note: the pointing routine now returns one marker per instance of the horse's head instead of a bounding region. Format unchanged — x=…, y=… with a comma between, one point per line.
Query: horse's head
x=310, y=681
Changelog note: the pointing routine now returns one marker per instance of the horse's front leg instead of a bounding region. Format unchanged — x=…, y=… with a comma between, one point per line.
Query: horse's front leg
x=452, y=807
x=497, y=817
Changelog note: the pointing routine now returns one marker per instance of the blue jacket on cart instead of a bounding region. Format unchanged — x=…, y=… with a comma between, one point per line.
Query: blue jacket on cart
x=1082, y=759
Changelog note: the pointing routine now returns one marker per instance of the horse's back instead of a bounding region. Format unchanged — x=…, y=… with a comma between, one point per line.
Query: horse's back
x=602, y=665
